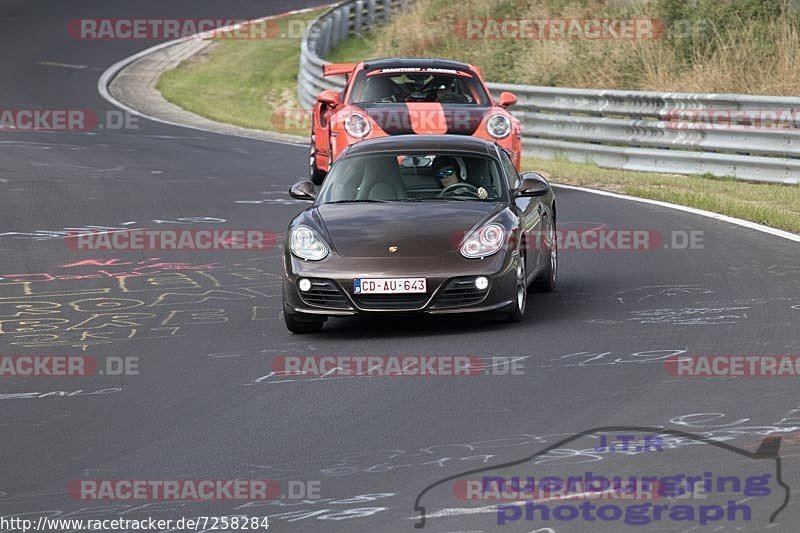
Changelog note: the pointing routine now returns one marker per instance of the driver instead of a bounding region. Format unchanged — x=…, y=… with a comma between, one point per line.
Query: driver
x=446, y=91
x=379, y=88
x=448, y=172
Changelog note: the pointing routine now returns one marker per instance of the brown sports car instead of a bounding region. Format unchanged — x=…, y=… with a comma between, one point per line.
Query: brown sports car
x=429, y=224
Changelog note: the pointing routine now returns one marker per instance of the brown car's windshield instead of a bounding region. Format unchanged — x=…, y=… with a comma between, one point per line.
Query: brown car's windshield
x=442, y=86
x=414, y=177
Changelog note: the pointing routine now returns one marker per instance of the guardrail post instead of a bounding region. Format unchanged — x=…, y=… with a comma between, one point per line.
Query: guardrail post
x=358, y=17
x=387, y=11
x=312, y=40
x=301, y=75
x=344, y=28
x=336, y=27
x=370, y=13
x=324, y=47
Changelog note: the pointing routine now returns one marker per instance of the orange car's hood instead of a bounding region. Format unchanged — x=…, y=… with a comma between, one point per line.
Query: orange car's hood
x=425, y=117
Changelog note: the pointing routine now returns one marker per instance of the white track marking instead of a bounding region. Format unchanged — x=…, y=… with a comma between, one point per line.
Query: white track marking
x=62, y=65
x=723, y=218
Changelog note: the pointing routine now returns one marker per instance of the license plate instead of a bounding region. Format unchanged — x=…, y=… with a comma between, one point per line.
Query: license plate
x=389, y=285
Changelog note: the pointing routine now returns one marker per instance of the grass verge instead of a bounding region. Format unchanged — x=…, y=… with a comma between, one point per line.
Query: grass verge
x=773, y=205
x=243, y=82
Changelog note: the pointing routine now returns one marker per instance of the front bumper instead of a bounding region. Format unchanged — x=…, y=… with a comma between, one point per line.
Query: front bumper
x=450, y=290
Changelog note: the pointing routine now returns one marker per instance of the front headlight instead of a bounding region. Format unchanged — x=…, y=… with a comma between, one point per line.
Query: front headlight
x=357, y=126
x=484, y=241
x=498, y=126
x=306, y=244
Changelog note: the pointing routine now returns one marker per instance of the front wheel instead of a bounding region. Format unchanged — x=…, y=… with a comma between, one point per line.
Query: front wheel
x=546, y=281
x=520, y=291
x=301, y=324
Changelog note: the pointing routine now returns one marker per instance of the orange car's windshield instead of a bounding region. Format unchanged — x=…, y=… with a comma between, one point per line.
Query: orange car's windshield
x=398, y=87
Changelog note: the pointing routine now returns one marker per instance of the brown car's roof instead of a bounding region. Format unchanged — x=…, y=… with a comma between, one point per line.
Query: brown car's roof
x=433, y=143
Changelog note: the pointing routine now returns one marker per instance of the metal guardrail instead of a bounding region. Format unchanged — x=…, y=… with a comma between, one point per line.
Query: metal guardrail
x=649, y=131
x=324, y=34
x=632, y=130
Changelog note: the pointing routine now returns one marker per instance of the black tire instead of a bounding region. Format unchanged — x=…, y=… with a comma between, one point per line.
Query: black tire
x=546, y=281
x=317, y=176
x=520, y=291
x=302, y=324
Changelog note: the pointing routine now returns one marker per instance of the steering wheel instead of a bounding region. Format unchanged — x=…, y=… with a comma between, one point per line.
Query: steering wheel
x=468, y=187
x=417, y=96
x=453, y=98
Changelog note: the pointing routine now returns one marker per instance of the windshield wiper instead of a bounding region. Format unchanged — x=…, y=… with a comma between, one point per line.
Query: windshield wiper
x=357, y=200
x=466, y=199
x=421, y=199
x=446, y=199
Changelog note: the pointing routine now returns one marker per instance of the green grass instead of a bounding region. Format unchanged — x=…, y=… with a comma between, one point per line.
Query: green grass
x=716, y=46
x=247, y=83
x=773, y=205
x=356, y=48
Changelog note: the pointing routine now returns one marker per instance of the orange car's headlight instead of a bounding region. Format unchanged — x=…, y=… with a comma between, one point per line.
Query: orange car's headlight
x=357, y=125
x=498, y=126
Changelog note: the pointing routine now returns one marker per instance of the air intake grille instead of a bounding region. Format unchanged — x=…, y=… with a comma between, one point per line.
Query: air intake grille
x=325, y=293
x=460, y=292
x=391, y=301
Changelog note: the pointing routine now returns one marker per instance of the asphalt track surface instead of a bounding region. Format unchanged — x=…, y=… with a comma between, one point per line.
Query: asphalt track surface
x=203, y=405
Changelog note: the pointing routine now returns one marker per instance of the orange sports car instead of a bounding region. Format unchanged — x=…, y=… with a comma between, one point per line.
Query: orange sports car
x=386, y=97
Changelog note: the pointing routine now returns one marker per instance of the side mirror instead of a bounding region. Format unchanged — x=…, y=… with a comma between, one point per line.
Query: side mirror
x=507, y=99
x=303, y=190
x=329, y=97
x=533, y=184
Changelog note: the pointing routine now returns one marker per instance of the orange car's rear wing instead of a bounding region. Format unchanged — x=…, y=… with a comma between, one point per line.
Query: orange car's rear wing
x=337, y=69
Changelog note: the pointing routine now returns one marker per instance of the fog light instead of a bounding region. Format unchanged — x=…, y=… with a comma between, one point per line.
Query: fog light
x=304, y=284
x=481, y=283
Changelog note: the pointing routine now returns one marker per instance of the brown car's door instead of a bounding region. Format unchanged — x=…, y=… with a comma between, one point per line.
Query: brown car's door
x=530, y=212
